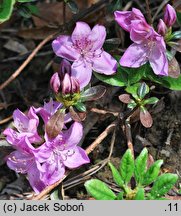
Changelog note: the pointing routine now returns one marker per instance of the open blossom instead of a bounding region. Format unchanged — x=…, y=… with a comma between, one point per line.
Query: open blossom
x=84, y=48
x=57, y=154
x=23, y=161
x=25, y=125
x=169, y=15
x=148, y=46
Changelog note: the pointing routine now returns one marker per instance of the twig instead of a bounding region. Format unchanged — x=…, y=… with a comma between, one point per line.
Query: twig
x=27, y=61
x=103, y=112
x=148, y=11
x=3, y=121
x=101, y=137
x=129, y=136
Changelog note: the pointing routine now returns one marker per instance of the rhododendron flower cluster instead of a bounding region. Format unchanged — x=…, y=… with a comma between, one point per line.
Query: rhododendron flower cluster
x=42, y=158
x=148, y=44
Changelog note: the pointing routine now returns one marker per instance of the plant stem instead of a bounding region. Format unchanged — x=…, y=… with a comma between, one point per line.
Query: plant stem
x=148, y=11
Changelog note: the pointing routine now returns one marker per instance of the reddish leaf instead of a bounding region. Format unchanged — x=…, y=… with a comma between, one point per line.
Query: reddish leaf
x=55, y=124
x=146, y=118
x=77, y=116
x=125, y=98
x=93, y=93
x=173, y=68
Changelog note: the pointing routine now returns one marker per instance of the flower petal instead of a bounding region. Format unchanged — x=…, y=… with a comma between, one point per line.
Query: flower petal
x=77, y=158
x=52, y=172
x=73, y=135
x=104, y=63
x=34, y=178
x=63, y=47
x=81, y=31
x=19, y=161
x=20, y=120
x=82, y=71
x=97, y=37
x=159, y=62
x=135, y=56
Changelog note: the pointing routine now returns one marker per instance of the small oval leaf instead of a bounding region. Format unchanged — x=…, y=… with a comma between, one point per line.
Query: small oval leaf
x=163, y=184
x=125, y=98
x=99, y=190
x=173, y=68
x=77, y=116
x=93, y=93
x=55, y=124
x=127, y=166
x=152, y=173
x=140, y=166
x=116, y=175
x=145, y=118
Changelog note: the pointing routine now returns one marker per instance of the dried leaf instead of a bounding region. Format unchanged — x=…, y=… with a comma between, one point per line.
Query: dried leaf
x=173, y=68
x=55, y=124
x=15, y=46
x=36, y=33
x=146, y=118
x=125, y=98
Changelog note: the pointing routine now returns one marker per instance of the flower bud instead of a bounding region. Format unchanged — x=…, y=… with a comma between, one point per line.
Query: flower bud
x=169, y=16
x=55, y=82
x=65, y=67
x=70, y=85
x=162, y=29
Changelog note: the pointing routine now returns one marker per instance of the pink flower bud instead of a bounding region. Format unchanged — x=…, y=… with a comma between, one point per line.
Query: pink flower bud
x=70, y=85
x=65, y=67
x=55, y=82
x=75, y=85
x=169, y=16
x=162, y=29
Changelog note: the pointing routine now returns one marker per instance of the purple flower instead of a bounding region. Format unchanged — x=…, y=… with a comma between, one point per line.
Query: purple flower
x=125, y=18
x=169, y=15
x=162, y=28
x=84, y=48
x=61, y=152
x=23, y=161
x=26, y=126
x=148, y=44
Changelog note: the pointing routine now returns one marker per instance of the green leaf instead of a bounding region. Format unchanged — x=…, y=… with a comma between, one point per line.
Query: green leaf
x=163, y=184
x=81, y=107
x=133, y=89
x=176, y=35
x=120, y=196
x=140, y=195
x=127, y=166
x=99, y=190
x=168, y=82
x=152, y=173
x=23, y=1
x=73, y=6
x=124, y=76
x=152, y=100
x=140, y=166
x=116, y=175
x=6, y=9
x=115, y=80
x=143, y=90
